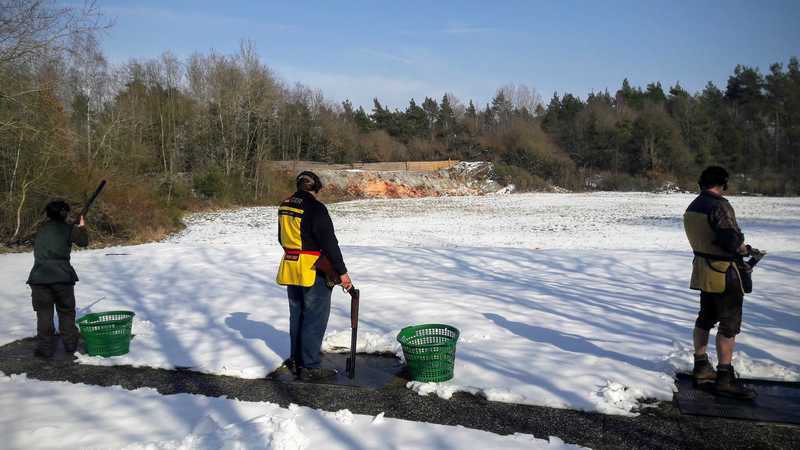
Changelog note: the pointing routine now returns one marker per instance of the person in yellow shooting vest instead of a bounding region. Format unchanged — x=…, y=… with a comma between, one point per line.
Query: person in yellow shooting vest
x=306, y=233
x=717, y=243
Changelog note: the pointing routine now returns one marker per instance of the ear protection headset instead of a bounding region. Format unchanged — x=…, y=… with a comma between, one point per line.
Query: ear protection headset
x=307, y=177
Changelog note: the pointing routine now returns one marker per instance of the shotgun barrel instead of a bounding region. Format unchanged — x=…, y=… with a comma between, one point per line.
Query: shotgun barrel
x=355, y=297
x=92, y=198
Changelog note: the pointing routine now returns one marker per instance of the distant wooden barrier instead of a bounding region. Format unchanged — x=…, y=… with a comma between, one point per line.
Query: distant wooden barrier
x=399, y=166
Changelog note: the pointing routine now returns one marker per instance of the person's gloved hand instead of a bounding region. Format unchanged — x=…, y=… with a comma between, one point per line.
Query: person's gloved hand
x=757, y=254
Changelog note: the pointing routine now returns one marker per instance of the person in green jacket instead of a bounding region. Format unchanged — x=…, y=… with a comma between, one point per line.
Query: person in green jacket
x=717, y=243
x=52, y=279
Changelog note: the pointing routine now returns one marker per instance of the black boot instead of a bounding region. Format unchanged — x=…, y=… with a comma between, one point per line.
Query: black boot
x=316, y=374
x=703, y=372
x=728, y=386
x=290, y=364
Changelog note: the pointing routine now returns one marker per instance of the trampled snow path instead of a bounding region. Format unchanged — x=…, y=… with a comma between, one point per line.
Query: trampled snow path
x=62, y=415
x=566, y=300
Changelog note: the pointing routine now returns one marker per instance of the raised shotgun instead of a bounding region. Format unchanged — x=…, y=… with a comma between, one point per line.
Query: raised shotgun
x=92, y=198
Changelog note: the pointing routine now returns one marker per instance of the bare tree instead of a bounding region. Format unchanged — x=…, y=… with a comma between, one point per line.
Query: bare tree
x=32, y=28
x=522, y=97
x=35, y=36
x=458, y=107
x=90, y=80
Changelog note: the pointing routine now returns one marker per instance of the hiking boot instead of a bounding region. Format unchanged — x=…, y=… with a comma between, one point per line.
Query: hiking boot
x=728, y=386
x=703, y=372
x=290, y=364
x=316, y=374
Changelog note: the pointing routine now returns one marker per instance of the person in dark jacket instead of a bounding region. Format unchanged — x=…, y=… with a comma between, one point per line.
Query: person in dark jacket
x=305, y=231
x=717, y=242
x=52, y=279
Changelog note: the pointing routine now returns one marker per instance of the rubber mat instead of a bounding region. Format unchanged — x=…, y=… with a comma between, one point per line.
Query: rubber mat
x=23, y=349
x=372, y=371
x=777, y=401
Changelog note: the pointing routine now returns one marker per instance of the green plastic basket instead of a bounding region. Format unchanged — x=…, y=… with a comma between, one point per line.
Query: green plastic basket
x=429, y=350
x=106, y=333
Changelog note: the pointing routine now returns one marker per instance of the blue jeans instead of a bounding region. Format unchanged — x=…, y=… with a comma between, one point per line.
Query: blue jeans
x=309, y=309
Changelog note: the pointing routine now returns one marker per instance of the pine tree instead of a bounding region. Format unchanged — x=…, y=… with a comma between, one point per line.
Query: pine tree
x=655, y=93
x=347, y=106
x=362, y=120
x=550, y=121
x=446, y=119
x=431, y=109
x=381, y=116
x=415, y=123
x=471, y=118
x=502, y=108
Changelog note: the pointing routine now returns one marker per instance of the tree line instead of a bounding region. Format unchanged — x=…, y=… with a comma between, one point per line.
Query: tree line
x=173, y=135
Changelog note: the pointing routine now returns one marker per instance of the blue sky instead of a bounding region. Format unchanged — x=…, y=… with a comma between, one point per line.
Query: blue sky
x=402, y=49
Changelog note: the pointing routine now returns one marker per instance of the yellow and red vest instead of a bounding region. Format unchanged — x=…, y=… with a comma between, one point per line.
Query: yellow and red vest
x=297, y=264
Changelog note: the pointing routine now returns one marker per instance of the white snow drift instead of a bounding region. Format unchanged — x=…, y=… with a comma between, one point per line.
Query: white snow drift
x=56, y=415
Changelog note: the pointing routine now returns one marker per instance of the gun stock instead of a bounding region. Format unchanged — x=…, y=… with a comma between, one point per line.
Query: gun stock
x=324, y=265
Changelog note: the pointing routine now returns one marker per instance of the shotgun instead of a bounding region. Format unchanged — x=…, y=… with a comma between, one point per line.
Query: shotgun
x=92, y=198
x=323, y=264
x=355, y=296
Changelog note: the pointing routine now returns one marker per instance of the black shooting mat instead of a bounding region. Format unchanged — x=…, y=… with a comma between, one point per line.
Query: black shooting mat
x=23, y=349
x=777, y=401
x=372, y=371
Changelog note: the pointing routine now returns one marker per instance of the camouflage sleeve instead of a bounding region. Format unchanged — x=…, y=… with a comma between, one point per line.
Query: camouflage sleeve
x=728, y=235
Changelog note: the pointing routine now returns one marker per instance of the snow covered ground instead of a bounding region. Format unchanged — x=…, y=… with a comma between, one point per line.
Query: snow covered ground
x=565, y=300
x=56, y=415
